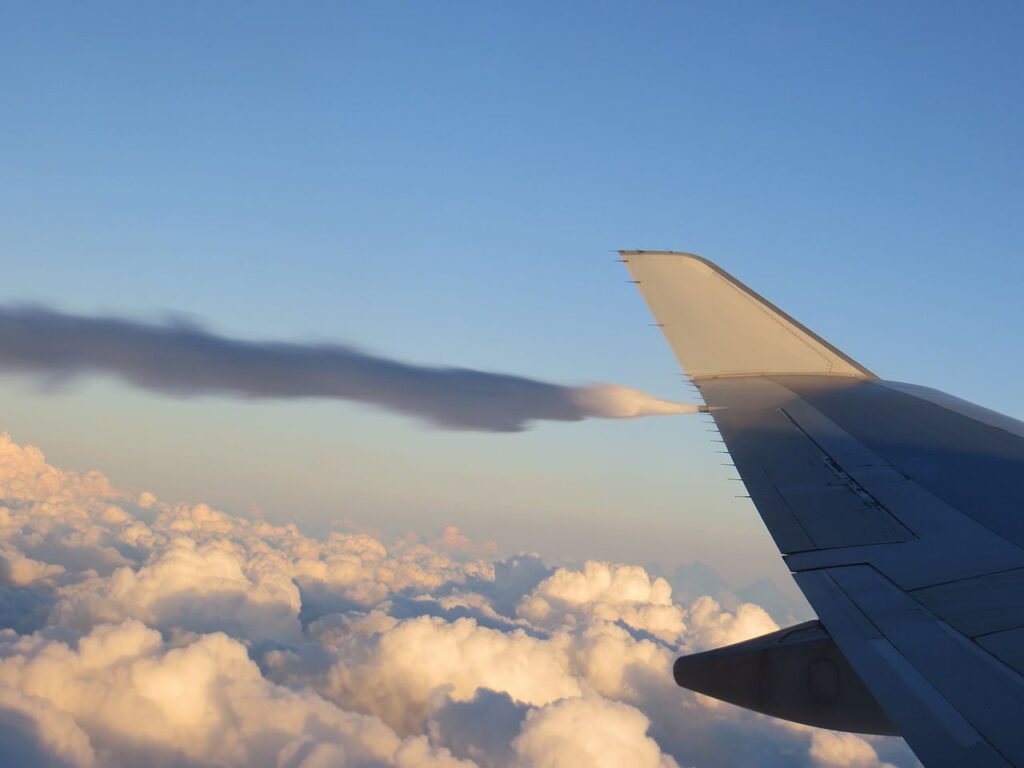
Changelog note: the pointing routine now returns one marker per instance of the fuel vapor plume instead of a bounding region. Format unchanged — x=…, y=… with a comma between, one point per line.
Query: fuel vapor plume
x=186, y=360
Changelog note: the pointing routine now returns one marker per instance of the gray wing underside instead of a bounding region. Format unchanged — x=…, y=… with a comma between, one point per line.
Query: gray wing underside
x=897, y=508
x=898, y=519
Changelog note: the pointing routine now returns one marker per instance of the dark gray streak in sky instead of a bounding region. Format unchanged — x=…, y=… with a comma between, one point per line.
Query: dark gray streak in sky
x=186, y=360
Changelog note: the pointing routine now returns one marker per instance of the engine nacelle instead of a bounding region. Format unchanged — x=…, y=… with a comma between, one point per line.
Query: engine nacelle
x=796, y=674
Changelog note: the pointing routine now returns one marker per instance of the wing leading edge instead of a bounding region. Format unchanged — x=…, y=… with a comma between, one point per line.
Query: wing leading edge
x=896, y=507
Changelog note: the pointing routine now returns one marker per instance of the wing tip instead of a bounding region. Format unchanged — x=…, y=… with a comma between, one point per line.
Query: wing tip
x=639, y=252
x=839, y=363
x=625, y=255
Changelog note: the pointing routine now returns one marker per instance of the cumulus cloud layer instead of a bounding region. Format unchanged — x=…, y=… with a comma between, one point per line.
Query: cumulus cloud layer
x=185, y=360
x=139, y=632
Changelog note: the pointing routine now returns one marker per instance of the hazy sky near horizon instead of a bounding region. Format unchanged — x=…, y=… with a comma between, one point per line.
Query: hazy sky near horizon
x=443, y=183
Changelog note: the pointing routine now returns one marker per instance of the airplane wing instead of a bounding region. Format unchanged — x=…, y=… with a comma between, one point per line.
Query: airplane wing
x=899, y=510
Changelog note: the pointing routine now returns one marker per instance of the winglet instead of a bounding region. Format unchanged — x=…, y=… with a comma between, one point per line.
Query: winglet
x=717, y=326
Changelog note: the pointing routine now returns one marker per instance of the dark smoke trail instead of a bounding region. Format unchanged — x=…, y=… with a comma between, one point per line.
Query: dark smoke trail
x=186, y=361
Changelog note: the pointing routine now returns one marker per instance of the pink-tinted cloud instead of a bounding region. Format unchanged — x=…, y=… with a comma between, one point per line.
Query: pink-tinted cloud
x=139, y=632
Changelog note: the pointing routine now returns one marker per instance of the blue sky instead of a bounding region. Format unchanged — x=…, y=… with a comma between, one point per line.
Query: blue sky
x=444, y=182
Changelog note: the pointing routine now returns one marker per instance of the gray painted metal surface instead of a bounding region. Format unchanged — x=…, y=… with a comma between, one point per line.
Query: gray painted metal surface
x=797, y=674
x=899, y=509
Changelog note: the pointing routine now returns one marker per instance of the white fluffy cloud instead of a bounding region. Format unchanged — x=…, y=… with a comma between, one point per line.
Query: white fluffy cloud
x=202, y=588
x=398, y=670
x=200, y=700
x=138, y=632
x=605, y=592
x=844, y=750
x=594, y=732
